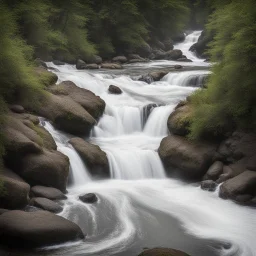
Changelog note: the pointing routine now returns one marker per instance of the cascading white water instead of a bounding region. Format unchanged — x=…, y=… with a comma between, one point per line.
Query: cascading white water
x=140, y=207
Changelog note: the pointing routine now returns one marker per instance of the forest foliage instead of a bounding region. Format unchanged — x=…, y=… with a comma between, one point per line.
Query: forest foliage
x=229, y=101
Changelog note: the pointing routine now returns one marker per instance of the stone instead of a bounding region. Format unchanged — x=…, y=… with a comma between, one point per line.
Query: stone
x=114, y=89
x=89, y=198
x=17, y=109
x=80, y=64
x=120, y=59
x=162, y=252
x=47, y=192
x=46, y=204
x=92, y=66
x=173, y=54
x=36, y=229
x=92, y=155
x=215, y=170
x=111, y=66
x=209, y=185
x=184, y=158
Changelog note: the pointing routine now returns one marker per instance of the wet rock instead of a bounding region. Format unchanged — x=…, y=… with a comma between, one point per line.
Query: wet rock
x=66, y=114
x=137, y=61
x=40, y=63
x=162, y=252
x=120, y=59
x=58, y=63
x=184, y=158
x=159, y=54
x=215, y=170
x=179, y=121
x=173, y=55
x=147, y=79
x=92, y=155
x=80, y=64
x=92, y=66
x=46, y=204
x=114, y=89
x=209, y=185
x=47, y=192
x=36, y=229
x=16, y=191
x=17, y=109
x=158, y=75
x=93, y=104
x=89, y=198
x=241, y=185
x=3, y=211
x=227, y=174
x=111, y=66
x=184, y=60
x=50, y=168
x=147, y=111
x=178, y=67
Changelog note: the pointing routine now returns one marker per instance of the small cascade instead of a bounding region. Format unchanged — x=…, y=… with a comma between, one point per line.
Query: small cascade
x=147, y=111
x=79, y=172
x=190, y=78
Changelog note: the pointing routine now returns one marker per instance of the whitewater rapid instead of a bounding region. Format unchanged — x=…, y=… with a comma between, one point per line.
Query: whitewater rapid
x=139, y=206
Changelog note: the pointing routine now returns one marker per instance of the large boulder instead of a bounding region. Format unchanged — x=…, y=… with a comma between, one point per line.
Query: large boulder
x=114, y=89
x=120, y=59
x=215, y=170
x=49, y=168
x=80, y=64
x=179, y=121
x=184, y=158
x=92, y=155
x=111, y=66
x=173, y=54
x=66, y=114
x=36, y=229
x=88, y=100
x=46, y=204
x=241, y=188
x=47, y=192
x=16, y=191
x=162, y=252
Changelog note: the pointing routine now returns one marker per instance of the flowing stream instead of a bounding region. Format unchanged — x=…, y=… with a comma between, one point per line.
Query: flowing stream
x=139, y=206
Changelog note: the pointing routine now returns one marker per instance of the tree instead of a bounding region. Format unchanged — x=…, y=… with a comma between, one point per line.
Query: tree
x=229, y=101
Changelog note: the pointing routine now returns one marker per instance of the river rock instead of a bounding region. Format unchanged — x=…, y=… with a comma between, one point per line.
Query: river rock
x=58, y=62
x=144, y=50
x=162, y=252
x=184, y=158
x=137, y=60
x=147, y=79
x=3, y=211
x=209, y=185
x=178, y=67
x=89, y=198
x=215, y=170
x=36, y=229
x=173, y=54
x=133, y=56
x=184, y=60
x=47, y=192
x=50, y=168
x=243, y=184
x=111, y=66
x=92, y=66
x=121, y=59
x=16, y=191
x=94, y=59
x=80, y=64
x=92, y=155
x=158, y=75
x=93, y=104
x=66, y=114
x=46, y=204
x=179, y=120
x=114, y=89
x=17, y=109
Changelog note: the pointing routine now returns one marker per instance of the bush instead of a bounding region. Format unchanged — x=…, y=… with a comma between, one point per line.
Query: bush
x=229, y=101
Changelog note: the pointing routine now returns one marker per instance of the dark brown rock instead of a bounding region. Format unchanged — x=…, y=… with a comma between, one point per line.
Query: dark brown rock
x=92, y=155
x=16, y=191
x=47, y=192
x=17, y=109
x=243, y=184
x=89, y=198
x=173, y=54
x=46, y=204
x=80, y=64
x=114, y=89
x=215, y=170
x=88, y=100
x=192, y=159
x=49, y=168
x=209, y=185
x=36, y=229
x=162, y=252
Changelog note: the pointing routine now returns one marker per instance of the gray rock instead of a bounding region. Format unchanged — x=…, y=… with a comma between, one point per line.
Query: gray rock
x=47, y=192
x=46, y=204
x=114, y=89
x=89, y=198
x=209, y=185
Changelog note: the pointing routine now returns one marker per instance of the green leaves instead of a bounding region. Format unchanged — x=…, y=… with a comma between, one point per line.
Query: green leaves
x=231, y=90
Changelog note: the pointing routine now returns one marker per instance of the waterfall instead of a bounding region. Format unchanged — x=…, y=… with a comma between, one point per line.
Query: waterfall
x=139, y=206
